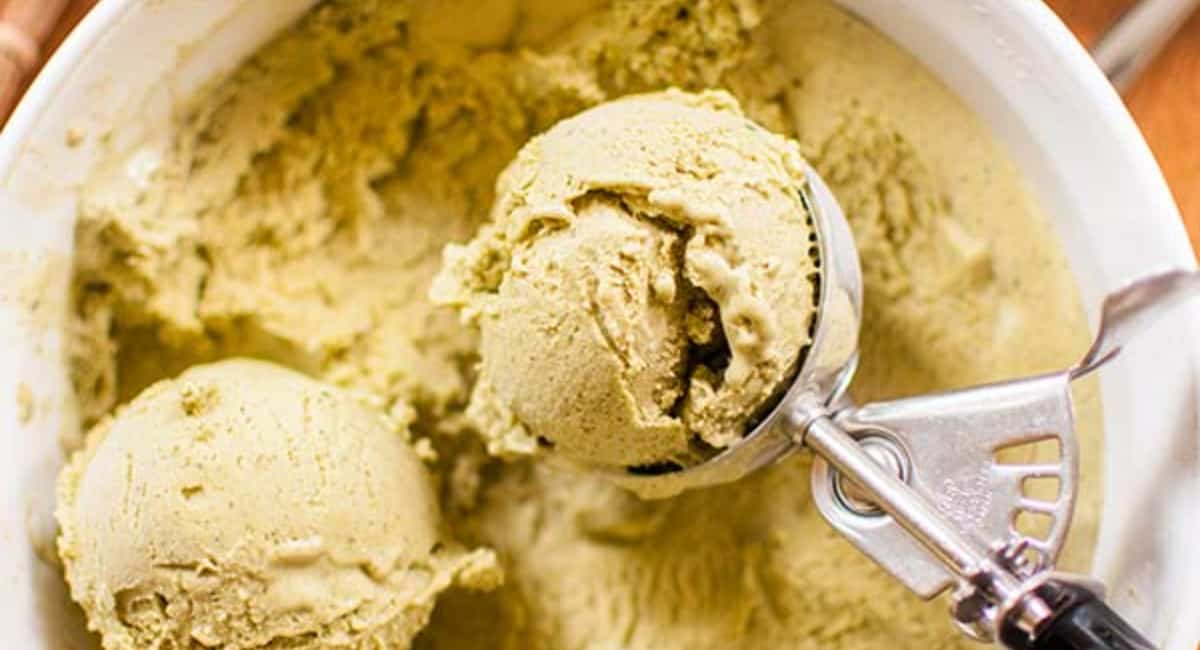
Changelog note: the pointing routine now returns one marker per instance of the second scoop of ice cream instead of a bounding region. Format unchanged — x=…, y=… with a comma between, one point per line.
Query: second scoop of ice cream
x=645, y=287
x=243, y=505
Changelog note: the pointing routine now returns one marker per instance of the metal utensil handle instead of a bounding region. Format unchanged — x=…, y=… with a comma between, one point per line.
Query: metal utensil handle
x=1081, y=621
x=914, y=513
x=971, y=562
x=998, y=596
x=950, y=446
x=1133, y=42
x=1032, y=613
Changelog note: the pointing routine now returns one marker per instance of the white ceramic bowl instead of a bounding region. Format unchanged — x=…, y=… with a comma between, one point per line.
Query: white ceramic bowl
x=1013, y=62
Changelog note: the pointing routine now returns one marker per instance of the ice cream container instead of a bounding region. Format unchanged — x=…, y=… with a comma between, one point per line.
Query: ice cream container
x=1014, y=63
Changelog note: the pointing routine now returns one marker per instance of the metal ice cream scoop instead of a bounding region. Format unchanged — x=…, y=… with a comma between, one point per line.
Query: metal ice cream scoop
x=916, y=483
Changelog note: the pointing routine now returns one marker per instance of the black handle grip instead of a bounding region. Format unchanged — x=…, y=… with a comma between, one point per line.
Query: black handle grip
x=1081, y=621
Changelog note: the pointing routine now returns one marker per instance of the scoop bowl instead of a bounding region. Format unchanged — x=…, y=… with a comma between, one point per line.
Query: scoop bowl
x=824, y=372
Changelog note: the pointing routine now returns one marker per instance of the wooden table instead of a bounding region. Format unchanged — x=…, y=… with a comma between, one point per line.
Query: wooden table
x=1165, y=101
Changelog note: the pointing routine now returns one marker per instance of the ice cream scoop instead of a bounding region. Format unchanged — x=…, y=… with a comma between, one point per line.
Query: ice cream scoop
x=922, y=484
x=916, y=484
x=243, y=505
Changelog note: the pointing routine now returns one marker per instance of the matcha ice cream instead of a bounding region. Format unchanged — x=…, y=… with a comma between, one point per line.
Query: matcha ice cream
x=243, y=505
x=645, y=286
x=300, y=211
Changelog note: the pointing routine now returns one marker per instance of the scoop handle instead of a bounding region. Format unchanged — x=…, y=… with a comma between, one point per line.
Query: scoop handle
x=1081, y=621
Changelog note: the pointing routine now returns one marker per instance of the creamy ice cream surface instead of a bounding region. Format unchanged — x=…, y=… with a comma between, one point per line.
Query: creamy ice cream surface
x=243, y=505
x=645, y=286
x=300, y=212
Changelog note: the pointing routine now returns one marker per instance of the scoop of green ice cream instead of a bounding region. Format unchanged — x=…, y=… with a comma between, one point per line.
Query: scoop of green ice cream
x=243, y=505
x=645, y=287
